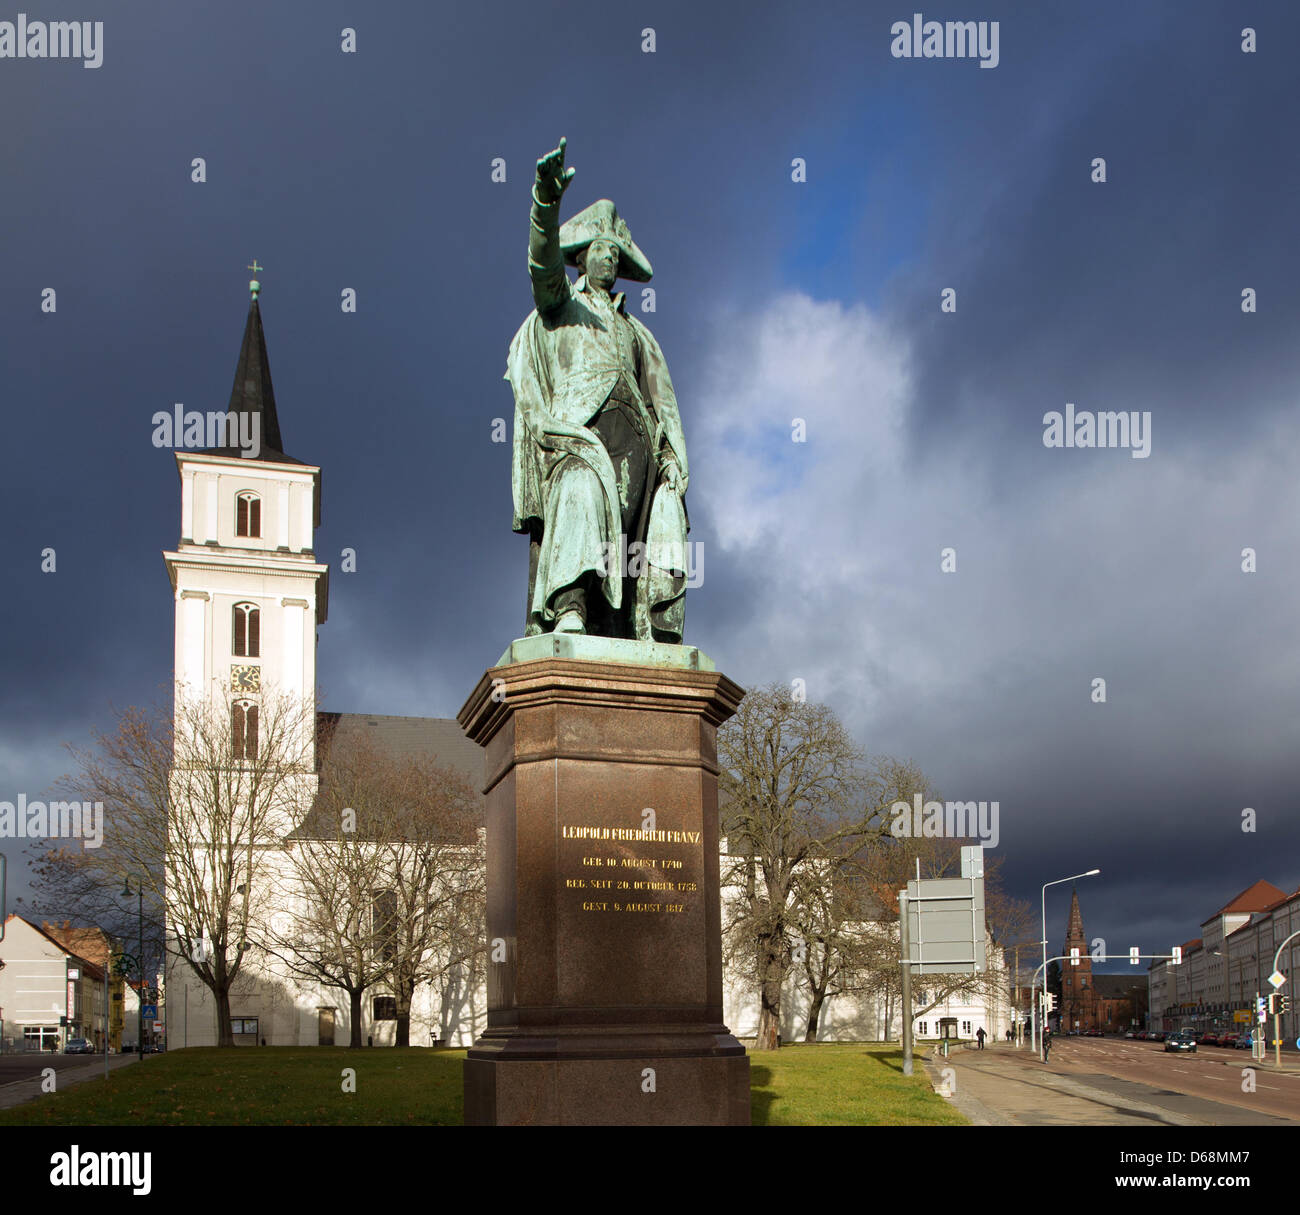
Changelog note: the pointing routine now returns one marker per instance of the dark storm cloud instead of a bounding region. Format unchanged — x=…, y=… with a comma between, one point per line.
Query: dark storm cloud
x=373, y=172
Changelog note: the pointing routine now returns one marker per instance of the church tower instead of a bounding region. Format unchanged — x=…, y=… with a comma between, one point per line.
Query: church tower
x=1078, y=998
x=249, y=592
x=249, y=595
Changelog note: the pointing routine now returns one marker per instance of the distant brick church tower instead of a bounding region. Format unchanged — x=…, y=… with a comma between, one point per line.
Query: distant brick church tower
x=1078, y=990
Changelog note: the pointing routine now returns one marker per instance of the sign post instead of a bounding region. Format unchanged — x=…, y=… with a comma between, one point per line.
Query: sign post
x=941, y=931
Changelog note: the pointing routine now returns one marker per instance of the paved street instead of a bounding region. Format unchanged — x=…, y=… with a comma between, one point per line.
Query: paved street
x=1097, y=1081
x=20, y=1074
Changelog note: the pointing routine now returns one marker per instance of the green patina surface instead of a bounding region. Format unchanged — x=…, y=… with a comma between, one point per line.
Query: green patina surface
x=606, y=649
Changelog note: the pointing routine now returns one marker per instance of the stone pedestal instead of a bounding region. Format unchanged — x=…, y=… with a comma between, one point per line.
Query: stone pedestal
x=604, y=926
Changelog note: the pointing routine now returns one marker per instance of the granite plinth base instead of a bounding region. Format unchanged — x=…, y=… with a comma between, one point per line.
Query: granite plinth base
x=604, y=922
x=514, y=1081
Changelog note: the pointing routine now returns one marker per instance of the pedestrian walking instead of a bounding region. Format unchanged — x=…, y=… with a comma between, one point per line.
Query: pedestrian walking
x=1047, y=1043
x=980, y=1037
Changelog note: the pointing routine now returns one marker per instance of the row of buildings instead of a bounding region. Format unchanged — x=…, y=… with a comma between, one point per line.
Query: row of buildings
x=59, y=982
x=1222, y=972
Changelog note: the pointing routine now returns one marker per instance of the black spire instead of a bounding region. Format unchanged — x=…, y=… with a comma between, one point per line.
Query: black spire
x=252, y=394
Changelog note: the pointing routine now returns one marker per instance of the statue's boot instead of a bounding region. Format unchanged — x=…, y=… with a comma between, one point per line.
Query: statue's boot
x=570, y=622
x=570, y=607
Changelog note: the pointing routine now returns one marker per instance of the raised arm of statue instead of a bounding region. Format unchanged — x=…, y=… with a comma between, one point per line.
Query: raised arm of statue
x=545, y=260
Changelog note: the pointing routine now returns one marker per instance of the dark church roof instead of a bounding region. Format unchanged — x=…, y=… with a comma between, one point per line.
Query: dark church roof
x=253, y=394
x=434, y=738
x=1117, y=987
x=438, y=738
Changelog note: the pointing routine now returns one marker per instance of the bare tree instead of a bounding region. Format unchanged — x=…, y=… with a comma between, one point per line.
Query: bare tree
x=195, y=797
x=796, y=797
x=325, y=929
x=842, y=908
x=384, y=881
x=837, y=946
x=435, y=891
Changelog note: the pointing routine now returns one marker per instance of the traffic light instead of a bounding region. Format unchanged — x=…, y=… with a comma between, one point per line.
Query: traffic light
x=1284, y=1004
x=1051, y=1001
x=1272, y=1003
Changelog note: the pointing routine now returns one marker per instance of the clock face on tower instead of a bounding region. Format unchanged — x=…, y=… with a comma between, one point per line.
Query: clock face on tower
x=245, y=679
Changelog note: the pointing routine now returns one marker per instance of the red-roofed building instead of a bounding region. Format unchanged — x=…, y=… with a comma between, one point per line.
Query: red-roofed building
x=1222, y=971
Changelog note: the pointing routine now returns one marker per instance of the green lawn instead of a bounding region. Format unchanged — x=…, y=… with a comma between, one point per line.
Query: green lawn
x=843, y=1084
x=801, y=1085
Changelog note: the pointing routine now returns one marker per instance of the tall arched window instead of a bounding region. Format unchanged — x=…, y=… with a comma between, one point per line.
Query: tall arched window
x=247, y=631
x=383, y=922
x=248, y=514
x=243, y=729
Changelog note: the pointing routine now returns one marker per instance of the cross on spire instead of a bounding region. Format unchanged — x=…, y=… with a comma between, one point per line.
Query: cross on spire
x=254, y=286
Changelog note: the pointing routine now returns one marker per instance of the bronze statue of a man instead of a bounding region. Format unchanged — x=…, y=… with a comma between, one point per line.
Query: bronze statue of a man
x=599, y=474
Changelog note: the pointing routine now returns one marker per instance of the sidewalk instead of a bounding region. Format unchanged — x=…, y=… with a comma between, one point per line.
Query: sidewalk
x=990, y=1095
x=18, y=1091
x=1003, y=1087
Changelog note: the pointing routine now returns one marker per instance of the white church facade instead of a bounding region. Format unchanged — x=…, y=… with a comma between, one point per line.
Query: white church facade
x=250, y=595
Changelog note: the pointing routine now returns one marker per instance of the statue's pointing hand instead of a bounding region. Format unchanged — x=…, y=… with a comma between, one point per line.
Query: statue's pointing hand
x=552, y=177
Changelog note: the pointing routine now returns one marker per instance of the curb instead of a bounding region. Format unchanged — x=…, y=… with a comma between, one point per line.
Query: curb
x=966, y=1105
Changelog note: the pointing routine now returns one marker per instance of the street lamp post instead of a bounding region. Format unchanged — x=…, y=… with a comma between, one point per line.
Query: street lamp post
x=139, y=1007
x=1074, y=877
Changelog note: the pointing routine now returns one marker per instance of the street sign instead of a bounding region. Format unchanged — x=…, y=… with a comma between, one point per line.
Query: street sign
x=945, y=920
x=149, y=1011
x=1277, y=978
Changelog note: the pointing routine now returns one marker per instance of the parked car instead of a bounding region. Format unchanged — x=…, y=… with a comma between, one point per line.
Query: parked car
x=1157, y=1035
x=1181, y=1041
x=1243, y=1042
x=1228, y=1039
x=1208, y=1039
x=78, y=1046
x=1130, y=1033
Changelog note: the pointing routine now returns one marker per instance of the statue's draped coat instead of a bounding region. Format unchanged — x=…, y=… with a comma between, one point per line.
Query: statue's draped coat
x=552, y=407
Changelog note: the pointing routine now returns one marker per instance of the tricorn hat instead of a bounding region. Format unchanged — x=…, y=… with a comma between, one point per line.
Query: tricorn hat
x=601, y=221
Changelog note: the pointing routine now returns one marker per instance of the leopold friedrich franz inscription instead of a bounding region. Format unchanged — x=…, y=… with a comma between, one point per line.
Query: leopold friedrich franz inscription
x=621, y=883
